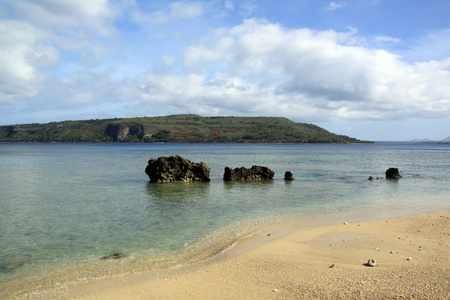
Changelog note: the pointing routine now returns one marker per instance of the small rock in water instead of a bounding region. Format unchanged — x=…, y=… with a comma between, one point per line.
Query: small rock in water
x=392, y=173
x=371, y=263
x=288, y=176
x=113, y=256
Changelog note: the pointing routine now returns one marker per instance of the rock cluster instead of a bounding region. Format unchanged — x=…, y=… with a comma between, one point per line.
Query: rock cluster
x=176, y=169
x=254, y=173
x=391, y=173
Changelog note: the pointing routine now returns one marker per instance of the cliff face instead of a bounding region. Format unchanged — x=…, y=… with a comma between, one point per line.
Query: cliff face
x=174, y=129
x=120, y=132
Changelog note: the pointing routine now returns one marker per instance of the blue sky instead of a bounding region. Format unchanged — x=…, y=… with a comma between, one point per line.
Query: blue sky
x=370, y=69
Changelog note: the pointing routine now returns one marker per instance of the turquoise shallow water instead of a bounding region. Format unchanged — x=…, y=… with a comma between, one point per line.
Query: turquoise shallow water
x=64, y=206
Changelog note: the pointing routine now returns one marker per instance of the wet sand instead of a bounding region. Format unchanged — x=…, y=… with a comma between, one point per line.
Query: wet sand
x=412, y=255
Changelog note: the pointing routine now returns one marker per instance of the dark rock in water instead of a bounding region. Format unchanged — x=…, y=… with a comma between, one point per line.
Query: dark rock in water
x=392, y=173
x=113, y=256
x=176, y=169
x=288, y=176
x=254, y=173
x=370, y=178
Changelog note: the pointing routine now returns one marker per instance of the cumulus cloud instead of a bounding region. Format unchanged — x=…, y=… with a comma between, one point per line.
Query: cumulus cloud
x=68, y=15
x=19, y=56
x=315, y=75
x=34, y=33
x=254, y=68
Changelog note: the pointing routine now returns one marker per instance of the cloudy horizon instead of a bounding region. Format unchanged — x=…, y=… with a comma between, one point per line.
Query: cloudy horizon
x=374, y=70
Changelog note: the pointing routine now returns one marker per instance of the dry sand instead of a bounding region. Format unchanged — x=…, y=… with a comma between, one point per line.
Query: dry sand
x=412, y=254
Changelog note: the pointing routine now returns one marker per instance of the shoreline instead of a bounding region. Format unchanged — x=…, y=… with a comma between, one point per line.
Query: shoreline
x=413, y=255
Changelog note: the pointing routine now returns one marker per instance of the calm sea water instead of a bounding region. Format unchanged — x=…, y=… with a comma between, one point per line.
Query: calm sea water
x=65, y=206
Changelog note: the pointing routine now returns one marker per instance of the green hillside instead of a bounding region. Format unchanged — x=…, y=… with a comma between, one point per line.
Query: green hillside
x=174, y=129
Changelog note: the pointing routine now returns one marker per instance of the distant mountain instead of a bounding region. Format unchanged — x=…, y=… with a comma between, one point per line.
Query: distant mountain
x=428, y=141
x=418, y=140
x=175, y=129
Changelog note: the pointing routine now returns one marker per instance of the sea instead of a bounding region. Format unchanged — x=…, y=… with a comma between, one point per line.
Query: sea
x=75, y=212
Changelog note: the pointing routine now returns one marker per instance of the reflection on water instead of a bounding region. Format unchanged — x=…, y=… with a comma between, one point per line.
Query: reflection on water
x=253, y=184
x=177, y=192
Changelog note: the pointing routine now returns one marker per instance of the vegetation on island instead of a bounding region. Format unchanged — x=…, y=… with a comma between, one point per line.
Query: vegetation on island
x=174, y=129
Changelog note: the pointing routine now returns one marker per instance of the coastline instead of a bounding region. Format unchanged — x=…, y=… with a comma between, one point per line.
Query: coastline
x=412, y=253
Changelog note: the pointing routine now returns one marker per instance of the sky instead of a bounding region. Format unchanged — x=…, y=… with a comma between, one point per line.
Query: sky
x=369, y=69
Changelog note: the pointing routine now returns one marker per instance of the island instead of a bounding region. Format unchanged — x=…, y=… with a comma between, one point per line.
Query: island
x=174, y=129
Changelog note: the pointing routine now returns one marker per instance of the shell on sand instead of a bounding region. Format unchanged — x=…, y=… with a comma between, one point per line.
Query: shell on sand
x=371, y=263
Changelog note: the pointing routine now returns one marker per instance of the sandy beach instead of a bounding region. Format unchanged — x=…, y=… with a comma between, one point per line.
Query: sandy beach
x=412, y=261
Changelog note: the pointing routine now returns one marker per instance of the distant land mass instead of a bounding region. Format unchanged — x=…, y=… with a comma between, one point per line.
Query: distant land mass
x=174, y=129
x=428, y=141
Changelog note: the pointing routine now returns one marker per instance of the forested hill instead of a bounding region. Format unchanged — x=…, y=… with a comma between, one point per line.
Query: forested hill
x=174, y=129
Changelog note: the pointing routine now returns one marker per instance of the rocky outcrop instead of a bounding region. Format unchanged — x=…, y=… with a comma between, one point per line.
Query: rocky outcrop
x=254, y=173
x=176, y=169
x=288, y=176
x=392, y=173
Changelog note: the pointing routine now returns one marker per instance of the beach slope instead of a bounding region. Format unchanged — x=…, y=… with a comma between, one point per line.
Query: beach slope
x=412, y=255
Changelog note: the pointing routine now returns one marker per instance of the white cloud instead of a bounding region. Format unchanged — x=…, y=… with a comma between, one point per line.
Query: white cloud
x=255, y=68
x=388, y=39
x=314, y=75
x=185, y=10
x=247, y=7
x=435, y=45
x=336, y=5
x=66, y=16
x=42, y=55
x=202, y=55
x=229, y=5
x=19, y=56
x=179, y=10
x=34, y=33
